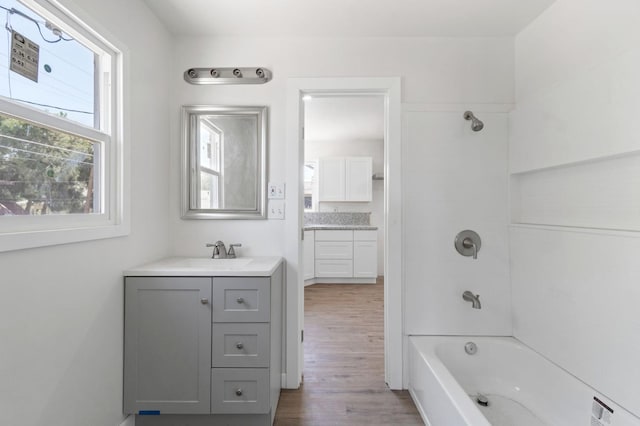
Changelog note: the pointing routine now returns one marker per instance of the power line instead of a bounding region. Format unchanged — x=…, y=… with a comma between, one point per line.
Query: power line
x=15, y=138
x=53, y=106
x=44, y=155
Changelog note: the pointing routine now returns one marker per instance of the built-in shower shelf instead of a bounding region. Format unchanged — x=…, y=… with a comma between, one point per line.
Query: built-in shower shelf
x=597, y=195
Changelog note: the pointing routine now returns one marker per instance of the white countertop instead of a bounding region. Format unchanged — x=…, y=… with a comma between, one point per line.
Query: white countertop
x=207, y=267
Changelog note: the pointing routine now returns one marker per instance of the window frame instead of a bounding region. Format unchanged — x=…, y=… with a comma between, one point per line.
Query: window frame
x=21, y=232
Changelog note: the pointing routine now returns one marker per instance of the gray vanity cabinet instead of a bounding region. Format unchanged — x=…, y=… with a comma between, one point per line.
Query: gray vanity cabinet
x=167, y=345
x=203, y=350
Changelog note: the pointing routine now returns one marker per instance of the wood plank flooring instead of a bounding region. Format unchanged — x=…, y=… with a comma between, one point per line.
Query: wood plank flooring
x=344, y=363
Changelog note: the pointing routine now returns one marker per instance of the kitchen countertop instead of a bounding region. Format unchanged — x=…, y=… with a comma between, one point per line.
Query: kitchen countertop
x=207, y=267
x=323, y=227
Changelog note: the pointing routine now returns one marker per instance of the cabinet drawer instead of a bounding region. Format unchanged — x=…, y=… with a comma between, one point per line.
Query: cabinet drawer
x=334, y=250
x=368, y=235
x=242, y=299
x=240, y=344
x=334, y=235
x=239, y=390
x=334, y=268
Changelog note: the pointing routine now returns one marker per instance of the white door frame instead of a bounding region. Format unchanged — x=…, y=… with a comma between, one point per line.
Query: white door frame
x=390, y=88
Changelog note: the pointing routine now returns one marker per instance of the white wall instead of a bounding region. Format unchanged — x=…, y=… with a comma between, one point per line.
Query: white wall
x=435, y=71
x=574, y=289
x=455, y=179
x=375, y=150
x=61, y=307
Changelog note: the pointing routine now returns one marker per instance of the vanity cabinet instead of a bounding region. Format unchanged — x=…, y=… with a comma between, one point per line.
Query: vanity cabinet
x=203, y=350
x=345, y=179
x=167, y=345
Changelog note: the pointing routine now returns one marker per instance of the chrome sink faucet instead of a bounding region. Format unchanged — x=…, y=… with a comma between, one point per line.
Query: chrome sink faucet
x=473, y=298
x=220, y=251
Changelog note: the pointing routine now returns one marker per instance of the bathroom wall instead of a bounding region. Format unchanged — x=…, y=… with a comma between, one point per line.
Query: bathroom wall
x=455, y=179
x=434, y=70
x=575, y=176
x=61, y=307
x=438, y=74
x=373, y=149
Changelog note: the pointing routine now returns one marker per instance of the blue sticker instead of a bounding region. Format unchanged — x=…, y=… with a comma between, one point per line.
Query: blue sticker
x=149, y=412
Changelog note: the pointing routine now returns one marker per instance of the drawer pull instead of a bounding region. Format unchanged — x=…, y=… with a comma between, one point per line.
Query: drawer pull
x=239, y=392
x=204, y=301
x=240, y=300
x=239, y=346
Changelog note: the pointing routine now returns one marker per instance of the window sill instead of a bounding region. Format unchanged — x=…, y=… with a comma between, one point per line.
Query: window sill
x=44, y=238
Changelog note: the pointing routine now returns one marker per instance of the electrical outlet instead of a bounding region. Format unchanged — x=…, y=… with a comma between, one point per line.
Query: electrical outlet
x=276, y=209
x=275, y=191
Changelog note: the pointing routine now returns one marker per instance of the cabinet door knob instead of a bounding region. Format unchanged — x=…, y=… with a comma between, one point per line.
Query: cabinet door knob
x=240, y=300
x=204, y=301
x=239, y=392
x=239, y=345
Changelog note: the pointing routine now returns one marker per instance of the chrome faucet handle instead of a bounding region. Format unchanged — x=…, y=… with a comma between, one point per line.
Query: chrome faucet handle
x=468, y=243
x=232, y=253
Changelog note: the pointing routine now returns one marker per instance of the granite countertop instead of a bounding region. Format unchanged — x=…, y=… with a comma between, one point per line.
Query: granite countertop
x=336, y=227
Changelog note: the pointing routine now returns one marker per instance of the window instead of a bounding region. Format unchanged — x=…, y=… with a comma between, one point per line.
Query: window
x=61, y=174
x=210, y=165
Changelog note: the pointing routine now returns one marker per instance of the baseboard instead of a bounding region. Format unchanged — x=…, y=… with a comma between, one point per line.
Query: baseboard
x=129, y=421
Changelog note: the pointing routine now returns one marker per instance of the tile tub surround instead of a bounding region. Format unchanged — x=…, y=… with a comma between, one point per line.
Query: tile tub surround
x=337, y=218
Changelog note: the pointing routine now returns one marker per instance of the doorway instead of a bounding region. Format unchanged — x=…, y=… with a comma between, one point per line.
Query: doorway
x=389, y=90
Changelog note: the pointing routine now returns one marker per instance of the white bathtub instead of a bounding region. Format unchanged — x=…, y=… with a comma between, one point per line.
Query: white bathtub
x=523, y=388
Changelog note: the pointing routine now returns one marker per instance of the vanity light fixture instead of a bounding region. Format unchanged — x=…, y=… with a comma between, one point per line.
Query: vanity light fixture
x=227, y=75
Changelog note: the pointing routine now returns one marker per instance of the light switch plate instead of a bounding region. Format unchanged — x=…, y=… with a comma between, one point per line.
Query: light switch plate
x=276, y=209
x=275, y=191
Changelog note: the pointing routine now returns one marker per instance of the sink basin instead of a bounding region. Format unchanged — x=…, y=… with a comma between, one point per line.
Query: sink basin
x=206, y=267
x=207, y=264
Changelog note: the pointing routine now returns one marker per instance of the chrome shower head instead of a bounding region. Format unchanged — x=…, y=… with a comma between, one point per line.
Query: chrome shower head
x=476, y=125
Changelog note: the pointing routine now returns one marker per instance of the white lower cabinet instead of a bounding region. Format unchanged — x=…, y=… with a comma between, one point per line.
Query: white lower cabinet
x=345, y=254
x=309, y=254
x=203, y=350
x=338, y=268
x=365, y=254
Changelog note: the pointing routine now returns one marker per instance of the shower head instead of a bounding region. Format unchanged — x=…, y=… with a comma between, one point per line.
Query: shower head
x=476, y=125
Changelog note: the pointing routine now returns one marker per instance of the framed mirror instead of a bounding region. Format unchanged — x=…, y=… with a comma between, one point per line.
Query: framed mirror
x=224, y=162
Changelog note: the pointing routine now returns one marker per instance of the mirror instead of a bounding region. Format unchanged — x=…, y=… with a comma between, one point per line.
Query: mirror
x=224, y=162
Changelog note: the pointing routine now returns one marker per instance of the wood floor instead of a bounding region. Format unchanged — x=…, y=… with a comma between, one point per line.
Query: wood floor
x=344, y=363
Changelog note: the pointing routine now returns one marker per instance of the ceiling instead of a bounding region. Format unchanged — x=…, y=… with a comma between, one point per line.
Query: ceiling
x=344, y=119
x=348, y=18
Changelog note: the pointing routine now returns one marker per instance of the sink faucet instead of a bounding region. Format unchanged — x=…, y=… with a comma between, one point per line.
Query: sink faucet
x=219, y=250
x=474, y=299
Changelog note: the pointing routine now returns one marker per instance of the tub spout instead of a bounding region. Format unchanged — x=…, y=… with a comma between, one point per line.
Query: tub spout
x=473, y=298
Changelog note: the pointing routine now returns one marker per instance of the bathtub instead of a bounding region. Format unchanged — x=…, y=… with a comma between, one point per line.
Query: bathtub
x=522, y=387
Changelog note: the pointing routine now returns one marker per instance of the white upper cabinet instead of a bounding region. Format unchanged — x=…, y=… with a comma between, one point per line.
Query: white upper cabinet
x=358, y=178
x=331, y=176
x=345, y=179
